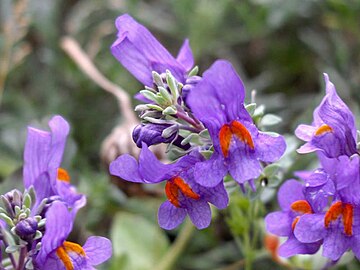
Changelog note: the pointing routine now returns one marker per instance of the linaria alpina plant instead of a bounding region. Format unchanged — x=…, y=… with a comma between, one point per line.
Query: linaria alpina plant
x=331, y=217
x=203, y=121
x=38, y=221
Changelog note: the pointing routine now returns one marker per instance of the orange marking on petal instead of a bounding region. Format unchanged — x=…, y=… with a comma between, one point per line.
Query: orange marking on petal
x=74, y=247
x=172, y=193
x=242, y=133
x=185, y=188
x=323, y=129
x=301, y=206
x=348, y=214
x=225, y=139
x=295, y=221
x=64, y=257
x=64, y=249
x=62, y=175
x=333, y=213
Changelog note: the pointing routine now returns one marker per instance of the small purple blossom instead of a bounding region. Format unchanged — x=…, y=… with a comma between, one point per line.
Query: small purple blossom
x=338, y=228
x=239, y=147
x=57, y=253
x=42, y=164
x=141, y=54
x=184, y=195
x=333, y=131
x=294, y=208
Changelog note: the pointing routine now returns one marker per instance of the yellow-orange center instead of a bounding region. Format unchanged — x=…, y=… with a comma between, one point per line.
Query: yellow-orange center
x=62, y=175
x=176, y=185
x=347, y=212
x=234, y=128
x=63, y=253
x=301, y=207
x=323, y=129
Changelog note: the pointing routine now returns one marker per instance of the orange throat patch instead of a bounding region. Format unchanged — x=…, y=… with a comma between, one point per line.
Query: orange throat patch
x=347, y=212
x=176, y=185
x=63, y=253
x=63, y=175
x=236, y=129
x=301, y=207
x=323, y=129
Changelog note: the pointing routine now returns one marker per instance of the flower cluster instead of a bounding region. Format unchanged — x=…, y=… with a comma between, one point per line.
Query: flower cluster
x=38, y=221
x=325, y=211
x=203, y=120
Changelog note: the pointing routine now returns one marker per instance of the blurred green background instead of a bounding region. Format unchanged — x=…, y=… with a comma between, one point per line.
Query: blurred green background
x=279, y=47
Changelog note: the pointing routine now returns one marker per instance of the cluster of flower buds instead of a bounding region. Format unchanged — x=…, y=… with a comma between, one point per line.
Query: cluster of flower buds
x=324, y=210
x=211, y=133
x=37, y=222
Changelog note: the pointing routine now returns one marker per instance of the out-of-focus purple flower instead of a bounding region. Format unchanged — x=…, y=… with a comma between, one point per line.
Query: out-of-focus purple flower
x=57, y=253
x=333, y=131
x=338, y=228
x=184, y=195
x=294, y=207
x=42, y=159
x=151, y=134
x=218, y=102
x=140, y=53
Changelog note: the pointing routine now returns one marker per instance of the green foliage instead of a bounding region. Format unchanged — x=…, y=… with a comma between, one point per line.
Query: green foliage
x=138, y=244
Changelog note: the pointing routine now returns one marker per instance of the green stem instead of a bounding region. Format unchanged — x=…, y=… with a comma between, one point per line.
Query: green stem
x=248, y=251
x=22, y=257
x=178, y=247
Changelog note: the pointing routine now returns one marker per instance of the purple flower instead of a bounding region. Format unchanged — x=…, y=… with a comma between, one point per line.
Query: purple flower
x=338, y=228
x=184, y=195
x=333, y=131
x=57, y=253
x=140, y=53
x=218, y=102
x=42, y=159
x=294, y=207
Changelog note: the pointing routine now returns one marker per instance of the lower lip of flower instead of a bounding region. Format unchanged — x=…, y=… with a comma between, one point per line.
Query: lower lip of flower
x=176, y=185
x=237, y=129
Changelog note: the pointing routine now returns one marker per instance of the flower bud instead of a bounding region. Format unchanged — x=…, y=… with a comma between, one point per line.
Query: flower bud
x=26, y=228
x=11, y=199
x=150, y=134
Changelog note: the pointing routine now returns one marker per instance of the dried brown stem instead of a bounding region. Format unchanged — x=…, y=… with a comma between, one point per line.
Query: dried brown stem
x=120, y=140
x=73, y=49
